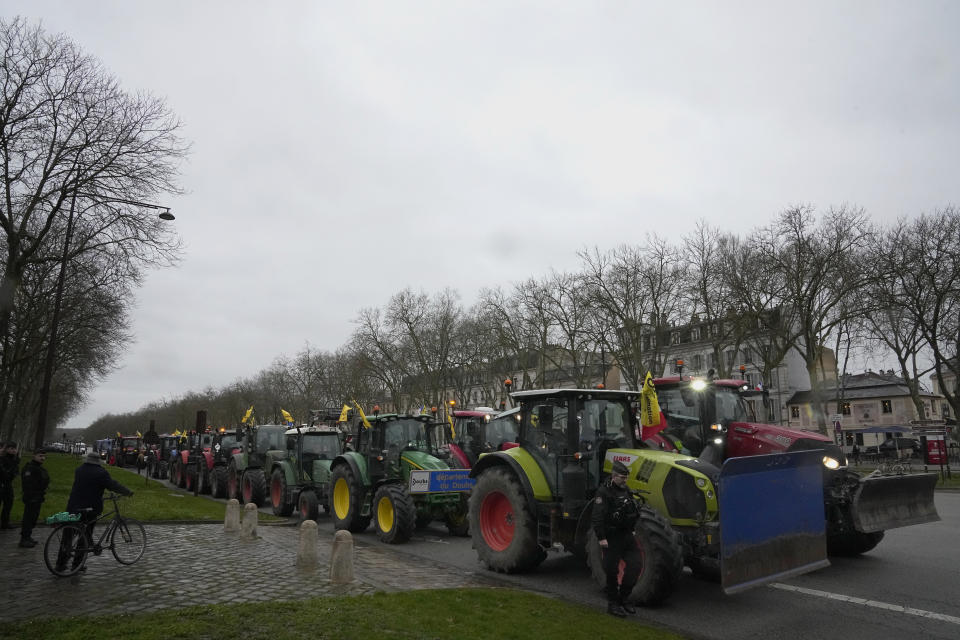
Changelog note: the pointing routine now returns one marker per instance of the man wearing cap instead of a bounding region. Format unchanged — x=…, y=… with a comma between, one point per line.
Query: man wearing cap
x=9, y=466
x=89, y=482
x=615, y=511
x=34, y=481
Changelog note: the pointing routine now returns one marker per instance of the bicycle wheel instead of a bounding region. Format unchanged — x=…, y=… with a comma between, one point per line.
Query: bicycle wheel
x=128, y=540
x=65, y=551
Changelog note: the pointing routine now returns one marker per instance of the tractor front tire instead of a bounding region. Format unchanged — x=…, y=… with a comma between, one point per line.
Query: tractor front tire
x=307, y=506
x=503, y=526
x=395, y=514
x=254, y=487
x=346, y=500
x=278, y=494
x=218, y=482
x=852, y=543
x=458, y=519
x=661, y=559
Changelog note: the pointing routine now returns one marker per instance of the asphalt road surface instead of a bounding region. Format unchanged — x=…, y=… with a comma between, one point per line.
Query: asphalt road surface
x=906, y=588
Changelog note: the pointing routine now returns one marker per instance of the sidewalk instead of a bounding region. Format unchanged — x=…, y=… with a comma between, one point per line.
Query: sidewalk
x=188, y=564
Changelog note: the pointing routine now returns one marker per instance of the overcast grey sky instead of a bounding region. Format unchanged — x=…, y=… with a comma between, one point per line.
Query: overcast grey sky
x=344, y=151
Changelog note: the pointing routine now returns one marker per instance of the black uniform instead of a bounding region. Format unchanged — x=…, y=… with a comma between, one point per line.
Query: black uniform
x=89, y=482
x=615, y=511
x=34, y=481
x=9, y=467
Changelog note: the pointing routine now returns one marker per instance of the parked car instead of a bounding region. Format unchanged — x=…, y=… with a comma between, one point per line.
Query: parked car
x=891, y=446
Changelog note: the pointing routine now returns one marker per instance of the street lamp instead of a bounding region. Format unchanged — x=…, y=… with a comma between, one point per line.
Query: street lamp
x=44, y=406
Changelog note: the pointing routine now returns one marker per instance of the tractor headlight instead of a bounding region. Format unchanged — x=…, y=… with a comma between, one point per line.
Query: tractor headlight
x=830, y=463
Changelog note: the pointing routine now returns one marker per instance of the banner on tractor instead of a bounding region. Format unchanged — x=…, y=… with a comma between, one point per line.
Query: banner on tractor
x=441, y=481
x=772, y=521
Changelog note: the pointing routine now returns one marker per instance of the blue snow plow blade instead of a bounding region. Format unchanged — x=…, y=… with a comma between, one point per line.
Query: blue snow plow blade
x=772, y=523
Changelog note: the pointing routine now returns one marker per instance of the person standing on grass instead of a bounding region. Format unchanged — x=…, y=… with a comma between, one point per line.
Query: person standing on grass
x=9, y=466
x=34, y=481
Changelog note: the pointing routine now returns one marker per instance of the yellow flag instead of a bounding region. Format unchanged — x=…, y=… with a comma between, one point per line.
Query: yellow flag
x=453, y=433
x=247, y=415
x=343, y=414
x=286, y=416
x=363, y=418
x=649, y=406
x=118, y=435
x=139, y=435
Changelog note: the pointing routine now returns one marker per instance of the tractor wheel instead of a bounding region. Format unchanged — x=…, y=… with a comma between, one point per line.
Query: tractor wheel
x=852, y=543
x=307, y=506
x=218, y=482
x=661, y=558
x=253, y=485
x=396, y=515
x=458, y=519
x=189, y=477
x=233, y=483
x=502, y=524
x=175, y=473
x=346, y=498
x=278, y=494
x=203, y=479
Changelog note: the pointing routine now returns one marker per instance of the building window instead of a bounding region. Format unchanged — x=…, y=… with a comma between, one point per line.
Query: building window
x=845, y=408
x=697, y=362
x=794, y=412
x=712, y=359
x=886, y=406
x=747, y=356
x=731, y=355
x=695, y=334
x=674, y=337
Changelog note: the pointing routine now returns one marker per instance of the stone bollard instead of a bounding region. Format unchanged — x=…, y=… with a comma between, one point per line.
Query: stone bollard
x=231, y=522
x=248, y=528
x=307, y=545
x=341, y=558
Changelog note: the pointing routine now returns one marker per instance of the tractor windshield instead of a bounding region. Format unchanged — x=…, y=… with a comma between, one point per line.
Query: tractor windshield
x=691, y=404
x=604, y=420
x=228, y=442
x=324, y=446
x=407, y=433
x=503, y=429
x=268, y=439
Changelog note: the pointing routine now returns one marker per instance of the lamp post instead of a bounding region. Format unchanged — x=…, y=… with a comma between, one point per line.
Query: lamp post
x=44, y=406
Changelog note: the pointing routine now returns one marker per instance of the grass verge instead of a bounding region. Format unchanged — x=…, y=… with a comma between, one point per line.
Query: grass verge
x=448, y=613
x=153, y=501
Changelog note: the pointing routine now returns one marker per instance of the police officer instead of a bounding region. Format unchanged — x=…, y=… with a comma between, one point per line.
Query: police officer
x=34, y=481
x=9, y=467
x=615, y=511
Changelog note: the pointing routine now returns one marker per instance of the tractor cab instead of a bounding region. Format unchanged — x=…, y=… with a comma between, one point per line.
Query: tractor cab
x=307, y=446
x=569, y=432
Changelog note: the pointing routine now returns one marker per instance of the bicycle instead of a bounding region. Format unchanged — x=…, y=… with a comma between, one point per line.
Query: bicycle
x=68, y=545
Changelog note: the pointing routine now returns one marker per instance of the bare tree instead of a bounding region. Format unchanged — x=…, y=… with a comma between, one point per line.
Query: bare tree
x=75, y=152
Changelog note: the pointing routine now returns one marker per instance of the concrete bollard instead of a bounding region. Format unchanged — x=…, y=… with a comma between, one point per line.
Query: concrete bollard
x=307, y=556
x=341, y=558
x=231, y=522
x=248, y=528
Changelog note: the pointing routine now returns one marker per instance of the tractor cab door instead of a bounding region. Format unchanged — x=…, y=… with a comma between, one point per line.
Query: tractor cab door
x=546, y=436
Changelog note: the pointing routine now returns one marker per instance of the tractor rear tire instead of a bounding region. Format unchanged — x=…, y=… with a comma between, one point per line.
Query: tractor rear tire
x=218, y=482
x=278, y=494
x=203, y=479
x=396, y=515
x=503, y=526
x=189, y=477
x=234, y=491
x=307, y=506
x=346, y=500
x=852, y=543
x=661, y=559
x=164, y=470
x=254, y=487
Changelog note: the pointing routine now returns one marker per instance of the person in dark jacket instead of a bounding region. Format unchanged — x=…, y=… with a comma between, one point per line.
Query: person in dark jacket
x=9, y=467
x=615, y=511
x=34, y=481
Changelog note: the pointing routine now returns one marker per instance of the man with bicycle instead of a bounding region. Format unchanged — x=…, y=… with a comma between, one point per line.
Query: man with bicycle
x=90, y=480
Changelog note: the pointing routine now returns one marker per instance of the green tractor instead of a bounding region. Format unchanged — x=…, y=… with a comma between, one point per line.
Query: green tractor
x=246, y=475
x=538, y=496
x=301, y=478
x=394, y=476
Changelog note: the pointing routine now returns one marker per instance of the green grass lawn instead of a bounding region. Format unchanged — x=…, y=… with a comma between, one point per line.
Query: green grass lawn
x=153, y=501
x=448, y=613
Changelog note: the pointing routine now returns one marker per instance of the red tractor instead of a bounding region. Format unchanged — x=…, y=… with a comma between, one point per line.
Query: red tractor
x=478, y=431
x=710, y=419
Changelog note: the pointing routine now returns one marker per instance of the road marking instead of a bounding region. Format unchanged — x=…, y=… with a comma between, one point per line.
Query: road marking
x=942, y=617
